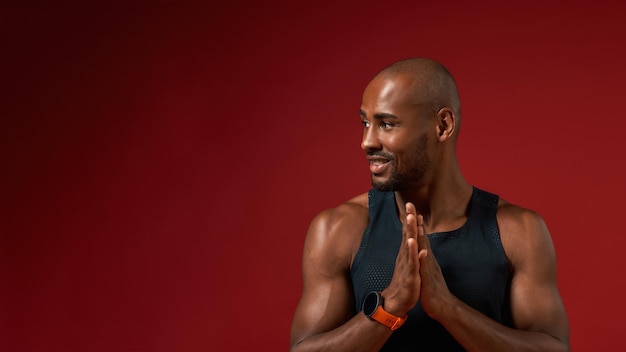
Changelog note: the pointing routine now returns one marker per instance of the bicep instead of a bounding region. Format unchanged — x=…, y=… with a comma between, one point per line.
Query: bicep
x=322, y=307
x=536, y=304
x=326, y=300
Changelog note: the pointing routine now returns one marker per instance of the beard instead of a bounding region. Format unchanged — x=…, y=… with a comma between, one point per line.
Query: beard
x=403, y=180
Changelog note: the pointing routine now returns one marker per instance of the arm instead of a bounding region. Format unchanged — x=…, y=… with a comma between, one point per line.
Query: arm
x=538, y=313
x=325, y=318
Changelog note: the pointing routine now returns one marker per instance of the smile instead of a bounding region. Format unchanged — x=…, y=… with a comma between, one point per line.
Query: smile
x=378, y=165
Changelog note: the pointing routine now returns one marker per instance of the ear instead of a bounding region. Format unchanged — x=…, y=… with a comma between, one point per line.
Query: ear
x=446, y=124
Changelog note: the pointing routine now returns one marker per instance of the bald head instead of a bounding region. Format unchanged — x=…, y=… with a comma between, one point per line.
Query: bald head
x=431, y=84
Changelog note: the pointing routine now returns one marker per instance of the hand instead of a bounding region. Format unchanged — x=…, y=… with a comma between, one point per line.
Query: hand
x=404, y=289
x=434, y=290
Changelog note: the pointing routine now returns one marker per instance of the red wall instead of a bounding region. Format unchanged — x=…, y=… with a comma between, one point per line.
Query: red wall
x=161, y=160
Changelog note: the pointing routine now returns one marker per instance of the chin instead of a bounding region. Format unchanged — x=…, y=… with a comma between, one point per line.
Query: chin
x=395, y=183
x=383, y=186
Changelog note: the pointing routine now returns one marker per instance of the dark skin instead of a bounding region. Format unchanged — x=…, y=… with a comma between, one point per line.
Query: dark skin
x=394, y=119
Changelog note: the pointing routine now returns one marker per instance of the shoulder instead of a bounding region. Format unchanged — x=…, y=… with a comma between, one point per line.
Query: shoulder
x=339, y=230
x=351, y=213
x=523, y=232
x=515, y=217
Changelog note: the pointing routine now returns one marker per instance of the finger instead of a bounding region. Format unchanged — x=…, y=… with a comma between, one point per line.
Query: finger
x=422, y=238
x=413, y=257
x=410, y=239
x=410, y=208
x=405, y=230
x=420, y=219
x=411, y=221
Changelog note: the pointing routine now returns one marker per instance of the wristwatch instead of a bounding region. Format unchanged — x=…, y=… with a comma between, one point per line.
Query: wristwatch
x=373, y=309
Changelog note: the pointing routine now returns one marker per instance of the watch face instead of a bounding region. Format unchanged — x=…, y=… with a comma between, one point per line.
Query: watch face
x=370, y=303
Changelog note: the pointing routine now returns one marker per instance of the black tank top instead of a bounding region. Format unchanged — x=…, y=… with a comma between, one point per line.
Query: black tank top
x=471, y=258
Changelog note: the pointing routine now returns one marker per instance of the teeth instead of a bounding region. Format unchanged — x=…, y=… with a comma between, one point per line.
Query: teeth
x=378, y=162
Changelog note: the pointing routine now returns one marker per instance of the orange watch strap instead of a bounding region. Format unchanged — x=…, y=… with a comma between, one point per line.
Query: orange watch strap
x=391, y=321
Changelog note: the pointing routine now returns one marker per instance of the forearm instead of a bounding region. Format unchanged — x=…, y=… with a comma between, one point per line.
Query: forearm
x=358, y=334
x=476, y=332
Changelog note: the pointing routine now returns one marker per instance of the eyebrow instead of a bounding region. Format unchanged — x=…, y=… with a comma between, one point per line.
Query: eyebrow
x=379, y=115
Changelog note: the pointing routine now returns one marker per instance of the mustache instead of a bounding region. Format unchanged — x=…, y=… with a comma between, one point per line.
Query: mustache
x=380, y=154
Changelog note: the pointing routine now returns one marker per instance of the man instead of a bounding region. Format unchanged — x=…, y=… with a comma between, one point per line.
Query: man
x=424, y=261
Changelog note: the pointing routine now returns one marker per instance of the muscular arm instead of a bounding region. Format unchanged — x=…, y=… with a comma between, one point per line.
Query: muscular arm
x=537, y=310
x=325, y=318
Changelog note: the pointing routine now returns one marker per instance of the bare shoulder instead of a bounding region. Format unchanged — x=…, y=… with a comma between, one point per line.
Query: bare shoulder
x=351, y=213
x=514, y=217
x=339, y=230
x=523, y=232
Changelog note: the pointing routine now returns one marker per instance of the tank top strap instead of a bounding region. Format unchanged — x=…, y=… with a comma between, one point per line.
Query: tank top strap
x=482, y=214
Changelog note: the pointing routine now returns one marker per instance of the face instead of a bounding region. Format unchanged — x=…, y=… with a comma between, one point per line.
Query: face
x=394, y=137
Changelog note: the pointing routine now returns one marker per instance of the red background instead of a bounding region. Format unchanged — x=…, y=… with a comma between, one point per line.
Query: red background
x=161, y=161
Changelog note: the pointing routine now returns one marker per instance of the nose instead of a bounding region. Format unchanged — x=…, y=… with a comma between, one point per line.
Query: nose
x=370, y=140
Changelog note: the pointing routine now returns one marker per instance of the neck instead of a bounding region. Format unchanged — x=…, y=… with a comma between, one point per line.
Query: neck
x=442, y=201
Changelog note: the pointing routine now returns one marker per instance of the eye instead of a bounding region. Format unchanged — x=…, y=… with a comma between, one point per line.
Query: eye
x=365, y=123
x=386, y=125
